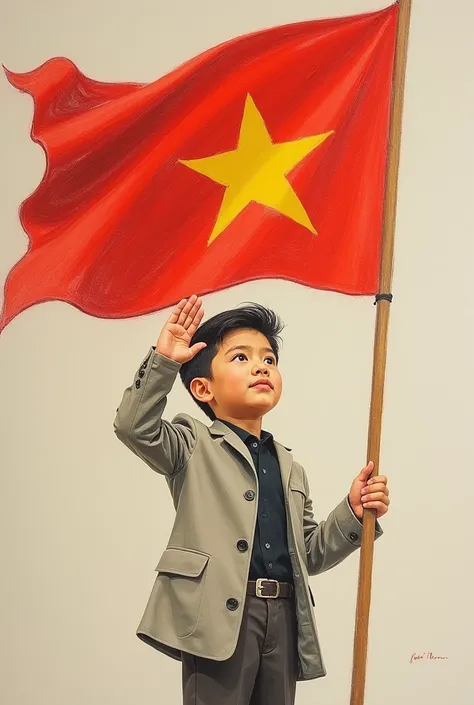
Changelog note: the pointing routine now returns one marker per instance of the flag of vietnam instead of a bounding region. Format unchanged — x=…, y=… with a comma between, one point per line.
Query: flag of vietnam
x=263, y=157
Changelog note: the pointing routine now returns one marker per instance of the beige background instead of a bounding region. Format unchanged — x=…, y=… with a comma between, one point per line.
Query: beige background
x=83, y=521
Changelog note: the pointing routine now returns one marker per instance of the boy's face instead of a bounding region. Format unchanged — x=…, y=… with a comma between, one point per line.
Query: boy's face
x=246, y=382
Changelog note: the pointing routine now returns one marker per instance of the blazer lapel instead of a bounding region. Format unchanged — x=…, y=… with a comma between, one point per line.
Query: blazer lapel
x=285, y=458
x=220, y=429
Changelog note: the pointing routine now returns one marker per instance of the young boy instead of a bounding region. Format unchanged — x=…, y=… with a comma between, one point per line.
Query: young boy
x=231, y=598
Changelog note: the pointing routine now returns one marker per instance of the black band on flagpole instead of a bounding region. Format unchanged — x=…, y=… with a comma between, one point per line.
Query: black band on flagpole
x=385, y=297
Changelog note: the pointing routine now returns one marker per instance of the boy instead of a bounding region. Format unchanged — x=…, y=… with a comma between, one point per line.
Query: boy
x=231, y=598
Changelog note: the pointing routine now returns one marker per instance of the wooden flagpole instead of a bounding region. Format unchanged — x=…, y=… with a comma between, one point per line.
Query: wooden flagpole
x=380, y=352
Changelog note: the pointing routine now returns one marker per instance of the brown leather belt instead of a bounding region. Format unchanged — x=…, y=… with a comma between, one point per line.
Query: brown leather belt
x=269, y=589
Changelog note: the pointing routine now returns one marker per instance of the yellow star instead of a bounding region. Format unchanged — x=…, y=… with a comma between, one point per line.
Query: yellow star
x=256, y=171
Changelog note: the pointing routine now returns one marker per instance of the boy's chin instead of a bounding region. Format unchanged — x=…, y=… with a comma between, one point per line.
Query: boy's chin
x=253, y=410
x=260, y=408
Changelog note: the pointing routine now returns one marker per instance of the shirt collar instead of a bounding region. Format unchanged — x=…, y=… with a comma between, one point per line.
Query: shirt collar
x=244, y=435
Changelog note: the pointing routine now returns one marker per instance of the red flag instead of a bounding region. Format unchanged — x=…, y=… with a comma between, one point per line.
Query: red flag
x=263, y=157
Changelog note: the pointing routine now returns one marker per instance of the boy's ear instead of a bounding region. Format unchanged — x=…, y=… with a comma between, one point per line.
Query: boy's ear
x=200, y=389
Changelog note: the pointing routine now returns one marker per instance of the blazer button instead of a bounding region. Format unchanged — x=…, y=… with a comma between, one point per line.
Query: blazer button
x=232, y=604
x=249, y=495
x=353, y=536
x=138, y=384
x=242, y=545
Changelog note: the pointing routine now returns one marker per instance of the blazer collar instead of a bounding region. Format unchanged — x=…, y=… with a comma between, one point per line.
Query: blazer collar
x=285, y=458
x=218, y=428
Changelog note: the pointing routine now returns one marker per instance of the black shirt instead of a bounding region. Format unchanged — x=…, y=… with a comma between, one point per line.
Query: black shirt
x=270, y=557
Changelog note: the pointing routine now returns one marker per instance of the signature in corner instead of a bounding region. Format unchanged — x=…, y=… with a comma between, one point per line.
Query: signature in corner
x=426, y=656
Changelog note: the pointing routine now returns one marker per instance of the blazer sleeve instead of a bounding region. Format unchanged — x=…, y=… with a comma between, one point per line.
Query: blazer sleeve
x=332, y=540
x=166, y=447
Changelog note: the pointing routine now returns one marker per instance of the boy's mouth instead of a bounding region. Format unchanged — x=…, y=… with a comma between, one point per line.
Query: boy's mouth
x=262, y=383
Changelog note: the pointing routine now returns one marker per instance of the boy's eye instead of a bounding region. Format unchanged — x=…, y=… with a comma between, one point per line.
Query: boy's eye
x=242, y=357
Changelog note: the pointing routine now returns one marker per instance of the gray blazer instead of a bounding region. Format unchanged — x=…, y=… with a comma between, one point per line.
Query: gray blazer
x=213, y=482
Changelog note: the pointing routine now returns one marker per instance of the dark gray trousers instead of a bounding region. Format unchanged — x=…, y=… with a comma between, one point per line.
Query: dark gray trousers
x=264, y=667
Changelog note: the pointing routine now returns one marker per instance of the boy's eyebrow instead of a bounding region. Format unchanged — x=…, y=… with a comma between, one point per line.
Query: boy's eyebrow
x=247, y=348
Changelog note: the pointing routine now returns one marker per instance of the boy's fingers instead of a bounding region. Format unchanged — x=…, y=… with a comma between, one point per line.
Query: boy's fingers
x=379, y=494
x=192, y=314
x=376, y=501
x=176, y=311
x=377, y=487
x=197, y=320
x=381, y=479
x=186, y=309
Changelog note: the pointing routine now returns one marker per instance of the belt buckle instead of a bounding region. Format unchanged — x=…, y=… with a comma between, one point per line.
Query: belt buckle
x=259, y=588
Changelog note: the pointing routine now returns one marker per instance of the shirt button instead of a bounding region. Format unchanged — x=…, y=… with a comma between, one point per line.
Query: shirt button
x=270, y=565
x=255, y=445
x=264, y=471
x=353, y=536
x=267, y=545
x=137, y=384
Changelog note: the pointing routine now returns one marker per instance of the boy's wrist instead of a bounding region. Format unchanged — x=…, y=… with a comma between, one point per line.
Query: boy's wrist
x=162, y=359
x=157, y=350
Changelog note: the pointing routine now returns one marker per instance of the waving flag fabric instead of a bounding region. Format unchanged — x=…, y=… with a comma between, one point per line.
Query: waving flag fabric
x=264, y=157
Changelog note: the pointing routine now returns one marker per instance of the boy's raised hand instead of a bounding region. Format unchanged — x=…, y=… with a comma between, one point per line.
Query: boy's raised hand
x=178, y=330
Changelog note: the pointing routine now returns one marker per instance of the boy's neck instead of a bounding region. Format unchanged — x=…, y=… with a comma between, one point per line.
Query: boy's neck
x=253, y=426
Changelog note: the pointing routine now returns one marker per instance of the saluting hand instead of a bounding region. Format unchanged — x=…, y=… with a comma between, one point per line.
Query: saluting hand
x=178, y=330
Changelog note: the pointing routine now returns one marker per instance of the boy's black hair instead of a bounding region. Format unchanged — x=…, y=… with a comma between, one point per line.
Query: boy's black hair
x=251, y=316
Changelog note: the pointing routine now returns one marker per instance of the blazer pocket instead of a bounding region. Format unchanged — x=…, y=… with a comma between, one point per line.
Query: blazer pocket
x=182, y=575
